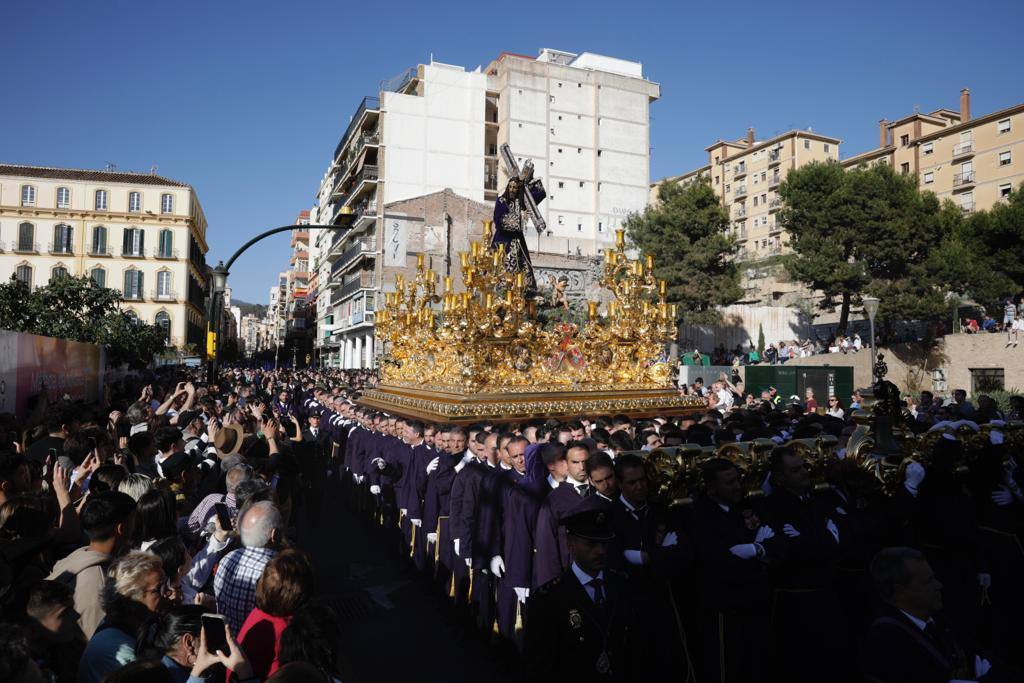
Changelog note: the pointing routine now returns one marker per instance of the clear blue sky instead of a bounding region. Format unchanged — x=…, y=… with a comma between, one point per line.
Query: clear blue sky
x=246, y=100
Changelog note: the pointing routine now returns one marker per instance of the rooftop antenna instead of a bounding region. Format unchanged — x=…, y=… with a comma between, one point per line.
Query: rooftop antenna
x=152, y=169
x=110, y=166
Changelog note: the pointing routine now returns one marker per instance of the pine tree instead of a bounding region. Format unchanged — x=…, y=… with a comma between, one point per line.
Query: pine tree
x=686, y=233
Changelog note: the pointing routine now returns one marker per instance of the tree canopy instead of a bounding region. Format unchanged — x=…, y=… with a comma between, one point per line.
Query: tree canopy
x=76, y=308
x=687, y=234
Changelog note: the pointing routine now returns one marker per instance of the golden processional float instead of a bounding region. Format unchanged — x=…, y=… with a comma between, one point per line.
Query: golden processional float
x=877, y=453
x=485, y=354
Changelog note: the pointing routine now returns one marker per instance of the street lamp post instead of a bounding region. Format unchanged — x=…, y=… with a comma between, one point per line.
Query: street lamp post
x=871, y=307
x=346, y=217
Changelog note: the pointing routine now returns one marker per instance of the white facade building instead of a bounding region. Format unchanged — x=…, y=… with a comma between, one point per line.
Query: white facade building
x=583, y=119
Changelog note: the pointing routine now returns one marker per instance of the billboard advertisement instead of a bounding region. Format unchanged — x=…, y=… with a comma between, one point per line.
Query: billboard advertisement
x=66, y=369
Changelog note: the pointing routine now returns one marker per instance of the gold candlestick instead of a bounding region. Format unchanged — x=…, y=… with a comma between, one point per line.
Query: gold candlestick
x=419, y=261
x=508, y=298
x=650, y=262
x=464, y=258
x=488, y=301
x=620, y=238
x=447, y=284
x=662, y=288
x=591, y=310
x=520, y=279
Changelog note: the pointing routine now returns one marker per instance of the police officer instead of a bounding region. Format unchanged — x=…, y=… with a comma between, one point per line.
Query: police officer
x=586, y=625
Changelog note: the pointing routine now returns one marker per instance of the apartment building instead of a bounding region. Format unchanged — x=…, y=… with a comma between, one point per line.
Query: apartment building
x=142, y=234
x=582, y=118
x=746, y=174
x=973, y=162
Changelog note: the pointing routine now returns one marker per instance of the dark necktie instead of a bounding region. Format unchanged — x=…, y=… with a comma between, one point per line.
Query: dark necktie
x=639, y=513
x=598, y=586
x=583, y=490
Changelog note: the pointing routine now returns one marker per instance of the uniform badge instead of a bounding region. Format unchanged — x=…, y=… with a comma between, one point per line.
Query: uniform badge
x=575, y=620
x=603, y=664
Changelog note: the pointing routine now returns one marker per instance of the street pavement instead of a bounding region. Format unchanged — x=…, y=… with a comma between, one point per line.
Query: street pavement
x=397, y=625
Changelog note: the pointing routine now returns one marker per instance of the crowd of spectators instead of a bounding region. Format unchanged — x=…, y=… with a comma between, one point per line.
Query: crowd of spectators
x=129, y=530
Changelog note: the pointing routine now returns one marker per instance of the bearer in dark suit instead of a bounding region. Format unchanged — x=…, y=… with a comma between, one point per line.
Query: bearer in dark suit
x=314, y=451
x=911, y=642
x=804, y=579
x=732, y=560
x=585, y=625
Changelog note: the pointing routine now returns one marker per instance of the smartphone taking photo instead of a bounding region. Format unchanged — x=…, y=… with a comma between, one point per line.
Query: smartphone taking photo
x=216, y=629
x=223, y=516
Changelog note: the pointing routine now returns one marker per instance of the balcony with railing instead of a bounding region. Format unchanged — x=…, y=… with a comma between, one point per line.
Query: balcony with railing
x=740, y=191
x=740, y=169
x=967, y=207
x=963, y=180
x=963, y=149
x=61, y=249
x=133, y=252
x=775, y=179
x=774, y=156
x=26, y=247
x=741, y=212
x=132, y=296
x=362, y=246
x=166, y=295
x=99, y=250
x=169, y=254
x=354, y=282
x=368, y=104
x=491, y=182
x=775, y=203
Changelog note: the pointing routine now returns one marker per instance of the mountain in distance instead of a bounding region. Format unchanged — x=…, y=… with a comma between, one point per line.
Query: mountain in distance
x=258, y=310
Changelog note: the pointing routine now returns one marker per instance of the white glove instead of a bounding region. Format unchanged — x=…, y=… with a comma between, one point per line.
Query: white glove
x=764, y=532
x=456, y=542
x=521, y=594
x=359, y=478
x=497, y=566
x=913, y=477
x=1002, y=496
x=403, y=512
x=633, y=556
x=381, y=465
x=416, y=522
x=832, y=529
x=469, y=562
x=985, y=581
x=671, y=539
x=432, y=465
x=744, y=551
x=375, y=489
x=790, y=531
x=431, y=538
x=981, y=666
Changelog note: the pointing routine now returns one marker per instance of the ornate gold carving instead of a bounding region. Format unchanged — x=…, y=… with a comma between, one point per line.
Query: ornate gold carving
x=489, y=340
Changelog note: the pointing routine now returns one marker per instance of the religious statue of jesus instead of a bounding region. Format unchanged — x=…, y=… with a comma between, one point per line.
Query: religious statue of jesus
x=517, y=205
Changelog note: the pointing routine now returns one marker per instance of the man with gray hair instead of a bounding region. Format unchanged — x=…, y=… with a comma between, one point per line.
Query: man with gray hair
x=261, y=529
x=204, y=510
